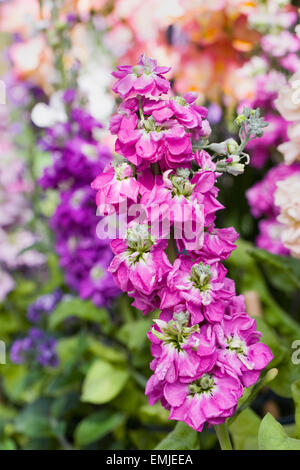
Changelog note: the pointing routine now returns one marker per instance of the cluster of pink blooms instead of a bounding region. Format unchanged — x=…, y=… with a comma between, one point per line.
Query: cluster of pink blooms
x=206, y=348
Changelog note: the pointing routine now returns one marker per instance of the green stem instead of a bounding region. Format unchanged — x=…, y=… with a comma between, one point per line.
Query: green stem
x=141, y=109
x=223, y=436
x=172, y=248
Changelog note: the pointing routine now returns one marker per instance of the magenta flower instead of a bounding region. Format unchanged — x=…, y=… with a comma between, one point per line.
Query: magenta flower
x=146, y=303
x=115, y=185
x=149, y=141
x=205, y=347
x=201, y=287
x=188, y=204
x=211, y=398
x=218, y=243
x=140, y=262
x=146, y=78
x=241, y=349
x=181, y=352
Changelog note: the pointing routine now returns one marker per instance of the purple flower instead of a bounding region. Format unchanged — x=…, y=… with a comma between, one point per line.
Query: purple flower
x=36, y=346
x=44, y=304
x=77, y=159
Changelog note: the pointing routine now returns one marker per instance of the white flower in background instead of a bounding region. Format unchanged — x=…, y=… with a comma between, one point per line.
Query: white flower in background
x=270, y=15
x=12, y=246
x=287, y=197
x=46, y=115
x=255, y=66
x=94, y=81
x=288, y=101
x=6, y=284
x=291, y=149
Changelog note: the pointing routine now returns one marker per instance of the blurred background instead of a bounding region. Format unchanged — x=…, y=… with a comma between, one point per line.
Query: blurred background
x=75, y=355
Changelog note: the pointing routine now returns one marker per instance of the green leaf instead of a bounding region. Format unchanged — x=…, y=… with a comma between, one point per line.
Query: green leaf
x=134, y=334
x=17, y=382
x=33, y=421
x=82, y=309
x=244, y=430
x=145, y=439
x=8, y=444
x=96, y=426
x=288, y=373
x=296, y=398
x=106, y=352
x=64, y=404
x=283, y=272
x=181, y=438
x=103, y=382
x=153, y=414
x=272, y=436
x=243, y=268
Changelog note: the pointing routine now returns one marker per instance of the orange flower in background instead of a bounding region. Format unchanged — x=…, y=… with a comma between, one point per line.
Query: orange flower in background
x=84, y=7
x=219, y=40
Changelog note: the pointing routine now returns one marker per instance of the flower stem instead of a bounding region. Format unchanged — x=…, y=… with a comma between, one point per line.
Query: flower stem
x=171, y=248
x=223, y=436
x=142, y=117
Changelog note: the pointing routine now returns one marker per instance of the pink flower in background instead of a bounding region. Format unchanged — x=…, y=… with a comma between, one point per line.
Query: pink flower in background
x=269, y=238
x=261, y=195
x=287, y=197
x=279, y=45
x=275, y=133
